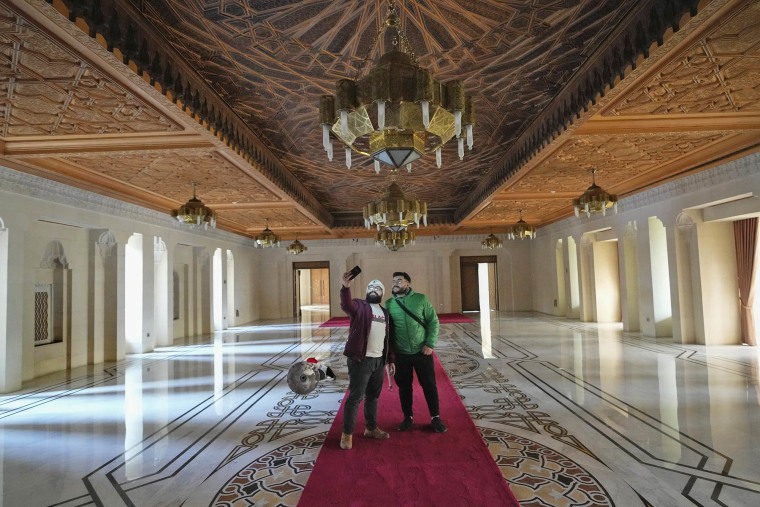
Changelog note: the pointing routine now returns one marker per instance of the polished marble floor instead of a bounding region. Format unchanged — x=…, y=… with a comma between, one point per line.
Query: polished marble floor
x=575, y=414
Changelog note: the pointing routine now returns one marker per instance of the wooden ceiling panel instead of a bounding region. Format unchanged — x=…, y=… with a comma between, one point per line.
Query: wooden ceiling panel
x=166, y=173
x=718, y=72
x=254, y=220
x=508, y=212
x=52, y=91
x=617, y=158
x=226, y=94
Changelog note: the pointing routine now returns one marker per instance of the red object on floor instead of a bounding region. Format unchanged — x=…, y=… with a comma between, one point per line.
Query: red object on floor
x=443, y=318
x=414, y=468
x=454, y=318
x=335, y=322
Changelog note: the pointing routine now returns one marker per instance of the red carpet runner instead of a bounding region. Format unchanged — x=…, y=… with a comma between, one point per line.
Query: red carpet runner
x=415, y=468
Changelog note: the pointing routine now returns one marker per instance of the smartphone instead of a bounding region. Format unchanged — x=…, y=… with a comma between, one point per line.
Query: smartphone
x=355, y=272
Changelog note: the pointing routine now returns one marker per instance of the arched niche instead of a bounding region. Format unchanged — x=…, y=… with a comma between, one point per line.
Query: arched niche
x=600, y=277
x=52, y=296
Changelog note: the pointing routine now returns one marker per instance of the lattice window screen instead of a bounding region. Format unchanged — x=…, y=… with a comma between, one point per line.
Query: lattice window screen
x=43, y=314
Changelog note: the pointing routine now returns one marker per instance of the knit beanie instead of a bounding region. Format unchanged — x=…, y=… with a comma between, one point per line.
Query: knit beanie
x=378, y=283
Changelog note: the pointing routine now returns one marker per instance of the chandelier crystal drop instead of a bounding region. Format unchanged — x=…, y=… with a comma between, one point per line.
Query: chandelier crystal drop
x=595, y=200
x=491, y=242
x=397, y=112
x=195, y=214
x=267, y=239
x=394, y=211
x=521, y=230
x=297, y=248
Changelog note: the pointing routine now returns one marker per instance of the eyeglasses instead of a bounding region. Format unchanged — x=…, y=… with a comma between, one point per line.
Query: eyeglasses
x=374, y=288
x=399, y=281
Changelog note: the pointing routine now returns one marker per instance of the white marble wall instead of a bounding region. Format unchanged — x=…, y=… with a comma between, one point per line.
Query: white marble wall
x=699, y=196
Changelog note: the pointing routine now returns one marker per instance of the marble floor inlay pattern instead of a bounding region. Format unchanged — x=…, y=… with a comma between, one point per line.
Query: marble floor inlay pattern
x=574, y=414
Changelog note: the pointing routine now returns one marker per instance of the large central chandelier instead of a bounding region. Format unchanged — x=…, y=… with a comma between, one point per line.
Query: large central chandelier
x=394, y=211
x=194, y=213
x=595, y=200
x=398, y=112
x=521, y=230
x=267, y=239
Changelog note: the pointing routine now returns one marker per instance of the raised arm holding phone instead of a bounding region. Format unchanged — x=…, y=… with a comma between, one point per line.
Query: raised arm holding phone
x=367, y=351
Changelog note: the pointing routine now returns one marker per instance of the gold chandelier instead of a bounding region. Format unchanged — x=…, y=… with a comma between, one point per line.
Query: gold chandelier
x=491, y=242
x=595, y=200
x=297, y=248
x=398, y=112
x=194, y=213
x=394, y=240
x=394, y=211
x=266, y=239
x=521, y=230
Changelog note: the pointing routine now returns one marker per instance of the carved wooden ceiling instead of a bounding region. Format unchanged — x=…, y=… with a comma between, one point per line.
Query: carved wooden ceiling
x=137, y=99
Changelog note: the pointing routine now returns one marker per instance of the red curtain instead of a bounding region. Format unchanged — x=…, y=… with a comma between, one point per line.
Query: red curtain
x=745, y=238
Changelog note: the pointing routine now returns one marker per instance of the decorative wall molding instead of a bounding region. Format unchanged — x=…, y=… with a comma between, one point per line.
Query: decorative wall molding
x=710, y=178
x=54, y=254
x=51, y=191
x=106, y=243
x=159, y=250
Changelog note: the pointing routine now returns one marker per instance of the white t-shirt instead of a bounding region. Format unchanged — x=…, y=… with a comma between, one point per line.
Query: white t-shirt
x=376, y=332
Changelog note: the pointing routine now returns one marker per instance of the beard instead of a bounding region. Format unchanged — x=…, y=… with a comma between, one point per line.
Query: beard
x=373, y=298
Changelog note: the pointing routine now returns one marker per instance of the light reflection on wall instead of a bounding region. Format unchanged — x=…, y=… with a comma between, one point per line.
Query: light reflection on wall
x=485, y=310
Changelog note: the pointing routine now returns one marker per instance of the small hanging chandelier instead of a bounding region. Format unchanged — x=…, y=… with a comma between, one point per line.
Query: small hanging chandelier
x=521, y=230
x=398, y=112
x=194, y=213
x=491, y=242
x=297, y=248
x=394, y=240
x=394, y=211
x=595, y=200
x=267, y=239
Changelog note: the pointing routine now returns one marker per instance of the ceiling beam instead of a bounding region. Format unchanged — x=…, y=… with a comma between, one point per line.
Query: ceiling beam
x=669, y=123
x=102, y=143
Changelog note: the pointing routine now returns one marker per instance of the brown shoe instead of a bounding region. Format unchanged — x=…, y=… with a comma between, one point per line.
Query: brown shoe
x=376, y=433
x=346, y=441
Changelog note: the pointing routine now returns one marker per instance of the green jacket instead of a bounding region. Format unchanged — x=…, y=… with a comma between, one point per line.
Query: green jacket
x=408, y=335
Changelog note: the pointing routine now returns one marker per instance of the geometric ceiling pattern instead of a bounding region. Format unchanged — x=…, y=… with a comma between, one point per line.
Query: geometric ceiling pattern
x=138, y=100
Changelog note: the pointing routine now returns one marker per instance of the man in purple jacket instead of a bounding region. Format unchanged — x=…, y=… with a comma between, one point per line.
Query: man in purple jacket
x=368, y=350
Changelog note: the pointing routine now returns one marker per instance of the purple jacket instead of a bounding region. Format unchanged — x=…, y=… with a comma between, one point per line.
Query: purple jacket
x=360, y=315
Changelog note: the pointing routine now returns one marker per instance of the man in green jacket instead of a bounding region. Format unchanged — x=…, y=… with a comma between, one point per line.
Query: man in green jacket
x=415, y=331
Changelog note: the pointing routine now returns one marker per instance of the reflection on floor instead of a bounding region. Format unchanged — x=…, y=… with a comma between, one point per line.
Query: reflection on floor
x=574, y=414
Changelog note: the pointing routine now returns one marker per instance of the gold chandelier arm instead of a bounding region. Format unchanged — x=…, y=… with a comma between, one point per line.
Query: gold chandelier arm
x=396, y=112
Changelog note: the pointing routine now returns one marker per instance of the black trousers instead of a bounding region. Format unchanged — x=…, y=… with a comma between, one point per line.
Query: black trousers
x=424, y=367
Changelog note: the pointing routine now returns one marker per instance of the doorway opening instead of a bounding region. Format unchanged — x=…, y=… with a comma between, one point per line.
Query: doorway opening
x=480, y=291
x=311, y=291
